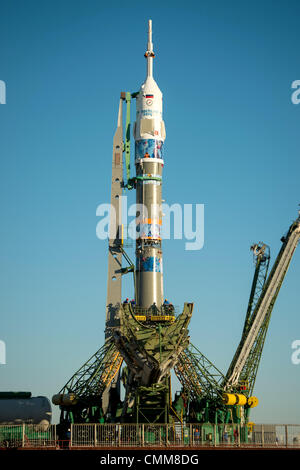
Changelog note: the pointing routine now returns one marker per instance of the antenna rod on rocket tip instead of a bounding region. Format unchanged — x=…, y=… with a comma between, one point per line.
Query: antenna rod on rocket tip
x=150, y=45
x=149, y=54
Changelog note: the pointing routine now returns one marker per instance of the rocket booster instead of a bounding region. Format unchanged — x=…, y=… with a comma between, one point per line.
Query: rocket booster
x=149, y=134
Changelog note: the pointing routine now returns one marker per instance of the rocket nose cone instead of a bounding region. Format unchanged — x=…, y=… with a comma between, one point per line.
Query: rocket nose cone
x=150, y=86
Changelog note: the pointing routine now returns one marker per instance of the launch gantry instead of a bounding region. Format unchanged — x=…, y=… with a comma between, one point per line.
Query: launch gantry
x=146, y=339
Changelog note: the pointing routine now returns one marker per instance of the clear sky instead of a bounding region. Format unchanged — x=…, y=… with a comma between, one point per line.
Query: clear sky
x=225, y=69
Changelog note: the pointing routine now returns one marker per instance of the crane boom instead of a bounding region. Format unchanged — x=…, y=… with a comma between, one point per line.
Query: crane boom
x=261, y=255
x=265, y=303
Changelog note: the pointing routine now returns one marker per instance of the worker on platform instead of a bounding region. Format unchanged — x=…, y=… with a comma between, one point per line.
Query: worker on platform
x=126, y=301
x=154, y=309
x=169, y=309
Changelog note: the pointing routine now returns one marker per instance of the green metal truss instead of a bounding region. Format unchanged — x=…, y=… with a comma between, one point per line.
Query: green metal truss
x=198, y=375
x=90, y=381
x=249, y=371
x=261, y=253
x=127, y=96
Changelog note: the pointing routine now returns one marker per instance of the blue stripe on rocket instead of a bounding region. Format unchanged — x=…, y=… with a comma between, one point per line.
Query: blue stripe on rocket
x=150, y=264
x=150, y=148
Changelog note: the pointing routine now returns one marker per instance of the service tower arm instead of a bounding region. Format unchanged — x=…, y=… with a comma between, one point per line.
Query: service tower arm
x=114, y=272
x=264, y=305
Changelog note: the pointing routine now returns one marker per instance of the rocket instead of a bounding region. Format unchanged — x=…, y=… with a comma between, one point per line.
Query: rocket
x=149, y=134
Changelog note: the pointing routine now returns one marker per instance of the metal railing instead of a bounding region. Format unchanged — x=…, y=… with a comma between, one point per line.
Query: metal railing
x=166, y=310
x=151, y=435
x=28, y=435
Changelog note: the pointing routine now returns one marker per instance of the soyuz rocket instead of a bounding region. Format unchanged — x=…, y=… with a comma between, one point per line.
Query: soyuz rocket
x=149, y=134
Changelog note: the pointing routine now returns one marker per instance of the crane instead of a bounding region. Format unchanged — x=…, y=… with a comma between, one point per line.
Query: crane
x=212, y=396
x=257, y=322
x=261, y=256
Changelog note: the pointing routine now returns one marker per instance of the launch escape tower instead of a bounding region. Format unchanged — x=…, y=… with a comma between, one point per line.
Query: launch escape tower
x=146, y=339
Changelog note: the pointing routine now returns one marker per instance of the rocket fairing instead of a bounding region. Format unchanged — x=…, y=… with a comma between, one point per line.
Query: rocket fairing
x=149, y=134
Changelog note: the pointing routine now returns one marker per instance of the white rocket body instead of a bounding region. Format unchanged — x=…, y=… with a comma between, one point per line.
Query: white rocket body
x=149, y=134
x=149, y=107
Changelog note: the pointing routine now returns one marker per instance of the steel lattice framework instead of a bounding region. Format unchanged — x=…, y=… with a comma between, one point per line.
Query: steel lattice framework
x=198, y=375
x=247, y=357
x=90, y=381
x=261, y=258
x=261, y=254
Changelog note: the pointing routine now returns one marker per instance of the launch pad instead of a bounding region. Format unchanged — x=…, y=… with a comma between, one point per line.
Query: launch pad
x=146, y=339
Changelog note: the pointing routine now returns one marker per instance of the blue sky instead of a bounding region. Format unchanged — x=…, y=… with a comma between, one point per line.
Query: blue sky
x=225, y=69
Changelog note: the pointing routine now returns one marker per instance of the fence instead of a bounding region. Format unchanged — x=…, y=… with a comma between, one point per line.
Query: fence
x=27, y=435
x=151, y=435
